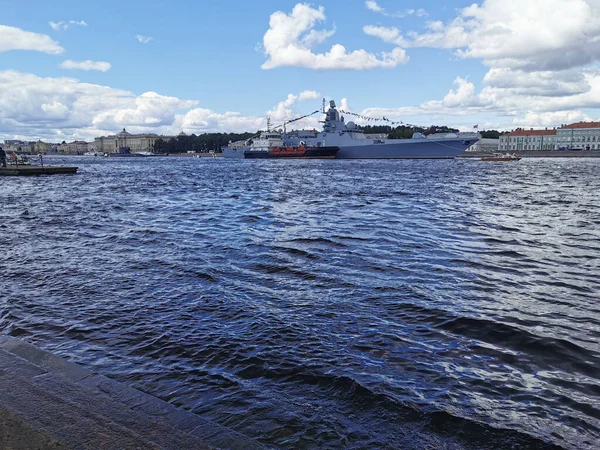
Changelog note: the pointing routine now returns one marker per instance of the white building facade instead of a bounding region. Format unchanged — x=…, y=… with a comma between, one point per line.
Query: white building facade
x=528, y=140
x=485, y=145
x=579, y=136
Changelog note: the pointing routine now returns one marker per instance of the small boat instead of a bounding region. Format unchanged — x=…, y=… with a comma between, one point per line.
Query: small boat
x=17, y=159
x=125, y=152
x=502, y=157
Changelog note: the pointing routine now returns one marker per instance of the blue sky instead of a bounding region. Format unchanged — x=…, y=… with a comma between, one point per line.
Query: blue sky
x=74, y=69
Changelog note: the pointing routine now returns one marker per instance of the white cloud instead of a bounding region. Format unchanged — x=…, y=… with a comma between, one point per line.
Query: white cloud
x=549, y=119
x=524, y=102
x=285, y=110
x=63, y=25
x=57, y=109
x=536, y=73
x=290, y=39
x=542, y=83
x=308, y=95
x=391, y=35
x=374, y=6
x=565, y=35
x=53, y=107
x=12, y=38
x=463, y=94
x=143, y=39
x=86, y=65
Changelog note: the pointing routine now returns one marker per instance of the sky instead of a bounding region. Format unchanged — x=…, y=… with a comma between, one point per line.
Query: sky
x=72, y=69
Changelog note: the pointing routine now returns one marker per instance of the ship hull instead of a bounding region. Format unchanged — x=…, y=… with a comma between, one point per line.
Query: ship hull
x=256, y=154
x=235, y=153
x=328, y=152
x=405, y=149
x=303, y=152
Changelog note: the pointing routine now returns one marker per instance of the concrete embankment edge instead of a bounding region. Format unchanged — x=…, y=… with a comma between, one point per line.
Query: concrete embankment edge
x=47, y=402
x=539, y=154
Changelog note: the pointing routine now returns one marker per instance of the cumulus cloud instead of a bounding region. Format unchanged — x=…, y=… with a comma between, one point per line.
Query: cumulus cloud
x=143, y=39
x=542, y=83
x=550, y=119
x=12, y=38
x=523, y=102
x=391, y=35
x=284, y=110
x=57, y=109
x=374, y=6
x=565, y=35
x=33, y=106
x=463, y=93
x=535, y=73
x=86, y=65
x=63, y=25
x=291, y=37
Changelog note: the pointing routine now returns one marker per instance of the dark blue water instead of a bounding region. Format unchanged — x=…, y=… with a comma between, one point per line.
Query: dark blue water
x=323, y=304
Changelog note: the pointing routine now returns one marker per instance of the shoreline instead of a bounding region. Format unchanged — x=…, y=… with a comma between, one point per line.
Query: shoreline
x=48, y=402
x=538, y=154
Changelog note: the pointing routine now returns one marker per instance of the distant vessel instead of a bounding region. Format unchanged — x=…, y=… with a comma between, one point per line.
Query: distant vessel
x=502, y=157
x=125, y=152
x=259, y=147
x=354, y=144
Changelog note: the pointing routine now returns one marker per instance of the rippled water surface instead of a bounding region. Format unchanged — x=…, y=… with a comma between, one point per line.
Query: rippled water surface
x=323, y=304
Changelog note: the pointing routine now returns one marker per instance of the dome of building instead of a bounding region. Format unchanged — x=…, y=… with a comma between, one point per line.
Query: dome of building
x=124, y=133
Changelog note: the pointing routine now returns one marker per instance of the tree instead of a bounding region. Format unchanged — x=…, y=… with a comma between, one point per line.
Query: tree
x=491, y=134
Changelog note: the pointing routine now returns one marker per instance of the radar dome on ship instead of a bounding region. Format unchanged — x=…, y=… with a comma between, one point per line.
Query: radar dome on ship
x=351, y=126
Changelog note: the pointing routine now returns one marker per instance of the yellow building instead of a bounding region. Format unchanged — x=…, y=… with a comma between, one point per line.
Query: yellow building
x=124, y=139
x=40, y=147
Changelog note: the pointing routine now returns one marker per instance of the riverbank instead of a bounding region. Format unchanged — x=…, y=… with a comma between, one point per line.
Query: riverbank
x=49, y=403
x=540, y=154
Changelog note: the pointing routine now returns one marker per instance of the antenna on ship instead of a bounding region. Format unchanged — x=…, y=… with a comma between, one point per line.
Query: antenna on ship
x=323, y=107
x=268, y=124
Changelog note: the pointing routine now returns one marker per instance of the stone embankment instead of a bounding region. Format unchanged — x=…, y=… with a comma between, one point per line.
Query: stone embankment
x=47, y=402
x=540, y=154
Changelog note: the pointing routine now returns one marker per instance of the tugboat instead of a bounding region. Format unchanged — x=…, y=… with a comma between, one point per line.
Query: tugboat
x=257, y=146
x=270, y=144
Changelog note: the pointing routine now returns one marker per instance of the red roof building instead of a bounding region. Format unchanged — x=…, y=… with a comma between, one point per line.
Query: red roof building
x=586, y=125
x=532, y=133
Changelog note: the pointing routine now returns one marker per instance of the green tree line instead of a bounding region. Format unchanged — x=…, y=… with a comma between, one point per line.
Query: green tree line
x=404, y=131
x=202, y=143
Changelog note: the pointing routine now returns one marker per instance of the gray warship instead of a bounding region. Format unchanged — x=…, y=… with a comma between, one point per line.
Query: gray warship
x=353, y=143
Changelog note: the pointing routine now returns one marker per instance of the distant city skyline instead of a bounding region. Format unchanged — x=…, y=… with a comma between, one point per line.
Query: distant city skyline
x=76, y=71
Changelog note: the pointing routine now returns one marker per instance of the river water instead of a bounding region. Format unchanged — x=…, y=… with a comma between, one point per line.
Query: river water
x=323, y=303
